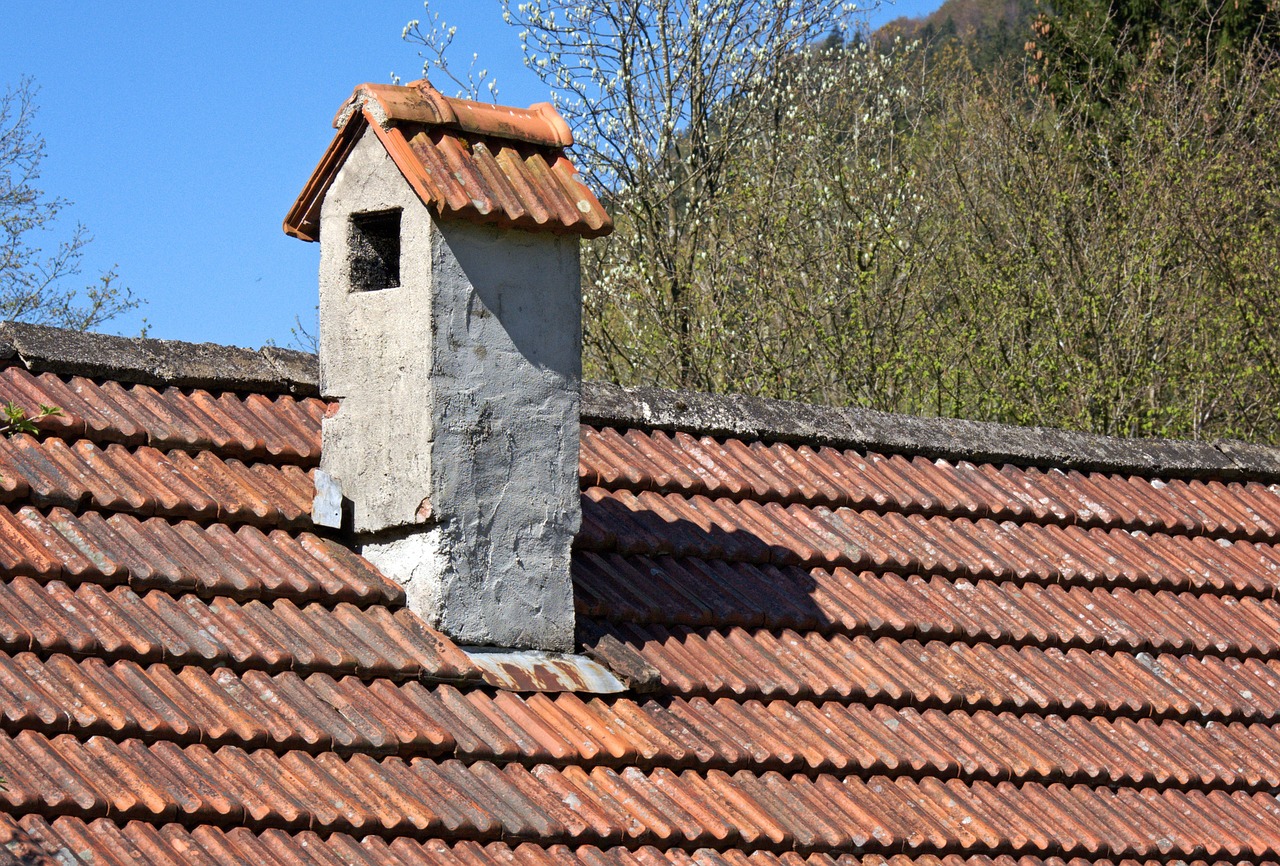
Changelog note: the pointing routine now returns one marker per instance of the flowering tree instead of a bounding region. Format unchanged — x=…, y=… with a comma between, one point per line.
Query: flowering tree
x=886, y=225
x=661, y=95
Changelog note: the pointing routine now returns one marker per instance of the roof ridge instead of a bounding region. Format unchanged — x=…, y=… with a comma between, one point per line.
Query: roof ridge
x=273, y=370
x=147, y=361
x=770, y=420
x=420, y=102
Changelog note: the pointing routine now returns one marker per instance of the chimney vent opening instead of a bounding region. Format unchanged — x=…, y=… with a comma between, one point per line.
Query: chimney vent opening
x=375, y=250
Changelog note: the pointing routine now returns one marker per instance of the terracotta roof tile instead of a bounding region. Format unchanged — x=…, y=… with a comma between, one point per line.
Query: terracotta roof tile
x=874, y=659
x=466, y=160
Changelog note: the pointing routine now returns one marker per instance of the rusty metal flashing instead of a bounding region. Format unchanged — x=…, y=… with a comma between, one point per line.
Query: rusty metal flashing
x=537, y=671
x=277, y=371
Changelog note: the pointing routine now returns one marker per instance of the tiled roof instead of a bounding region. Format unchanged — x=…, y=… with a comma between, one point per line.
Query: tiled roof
x=863, y=656
x=464, y=159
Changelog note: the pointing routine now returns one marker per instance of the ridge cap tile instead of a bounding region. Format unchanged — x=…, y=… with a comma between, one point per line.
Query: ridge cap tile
x=274, y=370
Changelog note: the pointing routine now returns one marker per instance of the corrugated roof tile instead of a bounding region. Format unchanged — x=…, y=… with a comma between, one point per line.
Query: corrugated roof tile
x=979, y=665
x=483, y=163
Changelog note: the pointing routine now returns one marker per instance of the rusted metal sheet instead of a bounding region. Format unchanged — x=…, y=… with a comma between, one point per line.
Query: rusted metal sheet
x=465, y=160
x=536, y=671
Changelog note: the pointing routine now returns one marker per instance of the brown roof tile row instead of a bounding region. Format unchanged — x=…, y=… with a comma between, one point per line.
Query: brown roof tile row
x=285, y=711
x=90, y=620
x=162, y=782
x=653, y=460
x=186, y=557
x=283, y=429
x=491, y=180
x=464, y=159
x=280, y=428
x=757, y=663
x=737, y=531
x=277, y=429
x=149, y=482
x=675, y=591
x=104, y=842
x=221, y=706
x=857, y=653
x=843, y=738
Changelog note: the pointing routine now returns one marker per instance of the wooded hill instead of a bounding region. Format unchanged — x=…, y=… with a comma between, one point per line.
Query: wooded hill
x=992, y=30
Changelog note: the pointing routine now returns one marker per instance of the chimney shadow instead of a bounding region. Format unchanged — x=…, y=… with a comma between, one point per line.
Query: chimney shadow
x=642, y=567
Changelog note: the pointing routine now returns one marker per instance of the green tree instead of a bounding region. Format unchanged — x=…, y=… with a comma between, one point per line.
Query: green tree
x=914, y=230
x=661, y=94
x=1087, y=51
x=34, y=283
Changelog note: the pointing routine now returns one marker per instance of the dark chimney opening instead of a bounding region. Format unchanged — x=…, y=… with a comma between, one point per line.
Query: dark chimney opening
x=375, y=250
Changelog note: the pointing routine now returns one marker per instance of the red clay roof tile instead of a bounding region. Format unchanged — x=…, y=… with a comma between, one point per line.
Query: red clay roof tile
x=465, y=160
x=859, y=655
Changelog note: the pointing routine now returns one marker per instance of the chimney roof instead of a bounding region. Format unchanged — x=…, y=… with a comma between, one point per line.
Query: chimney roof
x=465, y=160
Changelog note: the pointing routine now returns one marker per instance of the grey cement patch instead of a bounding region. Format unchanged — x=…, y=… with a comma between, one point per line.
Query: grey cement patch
x=159, y=362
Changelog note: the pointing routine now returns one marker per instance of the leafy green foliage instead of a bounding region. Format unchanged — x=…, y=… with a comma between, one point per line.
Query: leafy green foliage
x=1088, y=52
x=17, y=421
x=928, y=230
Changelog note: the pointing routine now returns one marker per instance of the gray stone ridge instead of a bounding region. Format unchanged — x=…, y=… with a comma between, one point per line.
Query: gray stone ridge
x=275, y=371
x=947, y=438
x=143, y=361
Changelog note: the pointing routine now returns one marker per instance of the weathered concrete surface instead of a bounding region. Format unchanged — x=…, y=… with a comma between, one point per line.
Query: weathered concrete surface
x=159, y=362
x=951, y=439
x=505, y=457
x=375, y=351
x=456, y=440
x=123, y=359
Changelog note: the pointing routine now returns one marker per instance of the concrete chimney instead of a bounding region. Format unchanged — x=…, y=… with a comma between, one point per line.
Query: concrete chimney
x=450, y=339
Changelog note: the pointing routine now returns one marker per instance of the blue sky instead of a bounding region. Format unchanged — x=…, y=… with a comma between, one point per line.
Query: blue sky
x=183, y=132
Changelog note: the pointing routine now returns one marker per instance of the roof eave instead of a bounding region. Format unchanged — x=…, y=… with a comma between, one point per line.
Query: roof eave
x=303, y=219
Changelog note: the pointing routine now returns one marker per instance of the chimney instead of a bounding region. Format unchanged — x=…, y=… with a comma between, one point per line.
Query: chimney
x=451, y=341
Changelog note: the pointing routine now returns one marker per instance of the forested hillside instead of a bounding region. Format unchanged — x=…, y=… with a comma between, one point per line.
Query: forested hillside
x=1079, y=229
x=991, y=30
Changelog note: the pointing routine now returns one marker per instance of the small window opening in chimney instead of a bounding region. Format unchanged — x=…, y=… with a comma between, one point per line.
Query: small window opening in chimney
x=375, y=250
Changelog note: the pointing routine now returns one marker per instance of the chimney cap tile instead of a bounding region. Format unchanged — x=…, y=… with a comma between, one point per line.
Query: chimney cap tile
x=538, y=189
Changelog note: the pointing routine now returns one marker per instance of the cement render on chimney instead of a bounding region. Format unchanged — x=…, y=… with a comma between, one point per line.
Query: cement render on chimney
x=456, y=440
